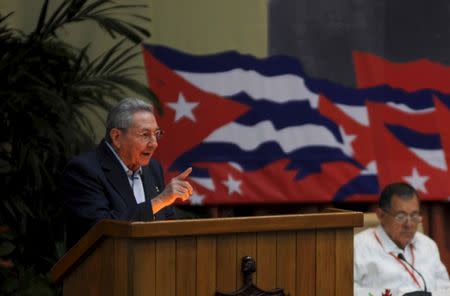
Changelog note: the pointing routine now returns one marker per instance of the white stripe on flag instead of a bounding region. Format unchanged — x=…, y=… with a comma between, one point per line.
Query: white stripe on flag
x=357, y=113
x=249, y=138
x=407, y=109
x=281, y=89
x=434, y=158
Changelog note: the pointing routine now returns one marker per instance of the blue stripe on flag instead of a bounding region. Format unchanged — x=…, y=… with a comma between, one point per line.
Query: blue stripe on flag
x=415, y=139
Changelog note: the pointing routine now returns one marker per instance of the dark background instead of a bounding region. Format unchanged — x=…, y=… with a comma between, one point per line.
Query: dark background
x=323, y=33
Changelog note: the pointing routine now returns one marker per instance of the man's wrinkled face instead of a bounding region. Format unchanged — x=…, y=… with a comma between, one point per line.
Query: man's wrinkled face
x=136, y=145
x=402, y=219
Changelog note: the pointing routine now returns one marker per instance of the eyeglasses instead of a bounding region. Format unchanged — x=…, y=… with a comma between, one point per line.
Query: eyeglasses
x=402, y=217
x=148, y=136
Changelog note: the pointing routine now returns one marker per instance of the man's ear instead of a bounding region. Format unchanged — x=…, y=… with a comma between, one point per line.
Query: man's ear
x=115, y=134
x=380, y=213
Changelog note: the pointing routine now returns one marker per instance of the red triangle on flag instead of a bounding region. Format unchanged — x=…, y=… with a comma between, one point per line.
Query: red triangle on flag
x=207, y=111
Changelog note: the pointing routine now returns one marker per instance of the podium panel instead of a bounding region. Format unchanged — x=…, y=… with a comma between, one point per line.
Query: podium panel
x=309, y=254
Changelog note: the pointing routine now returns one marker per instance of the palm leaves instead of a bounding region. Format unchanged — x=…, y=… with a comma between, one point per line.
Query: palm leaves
x=101, y=11
x=46, y=88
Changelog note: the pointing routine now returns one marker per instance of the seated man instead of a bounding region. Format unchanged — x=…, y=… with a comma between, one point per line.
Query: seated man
x=378, y=264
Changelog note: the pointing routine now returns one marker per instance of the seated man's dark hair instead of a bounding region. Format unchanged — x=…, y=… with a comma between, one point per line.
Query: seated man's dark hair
x=400, y=189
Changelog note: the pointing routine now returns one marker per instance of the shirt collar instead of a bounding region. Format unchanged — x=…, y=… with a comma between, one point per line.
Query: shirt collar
x=388, y=244
x=129, y=172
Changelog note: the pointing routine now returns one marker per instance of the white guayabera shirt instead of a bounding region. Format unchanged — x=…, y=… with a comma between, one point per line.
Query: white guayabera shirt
x=376, y=265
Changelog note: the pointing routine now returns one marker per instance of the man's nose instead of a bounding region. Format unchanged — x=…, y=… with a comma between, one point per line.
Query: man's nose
x=153, y=144
x=408, y=222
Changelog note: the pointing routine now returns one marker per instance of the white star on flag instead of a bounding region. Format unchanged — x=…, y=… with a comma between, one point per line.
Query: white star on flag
x=233, y=185
x=348, y=139
x=183, y=108
x=196, y=199
x=417, y=181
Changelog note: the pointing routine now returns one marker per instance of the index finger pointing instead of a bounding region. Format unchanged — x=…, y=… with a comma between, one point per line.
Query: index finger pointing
x=184, y=174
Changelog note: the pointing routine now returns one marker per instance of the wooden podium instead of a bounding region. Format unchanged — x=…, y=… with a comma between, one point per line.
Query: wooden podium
x=305, y=254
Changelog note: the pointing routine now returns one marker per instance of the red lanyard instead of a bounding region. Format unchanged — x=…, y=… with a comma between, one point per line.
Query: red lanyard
x=410, y=272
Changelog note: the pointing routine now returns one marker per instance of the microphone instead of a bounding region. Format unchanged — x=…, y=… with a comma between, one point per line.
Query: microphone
x=415, y=293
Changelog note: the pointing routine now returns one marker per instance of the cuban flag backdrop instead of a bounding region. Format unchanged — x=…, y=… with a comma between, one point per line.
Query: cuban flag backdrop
x=262, y=131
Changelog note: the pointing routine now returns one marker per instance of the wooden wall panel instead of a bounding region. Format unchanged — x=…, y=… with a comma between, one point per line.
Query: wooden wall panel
x=325, y=262
x=206, y=265
x=286, y=261
x=266, y=261
x=344, y=262
x=166, y=265
x=186, y=262
x=226, y=263
x=306, y=263
x=143, y=267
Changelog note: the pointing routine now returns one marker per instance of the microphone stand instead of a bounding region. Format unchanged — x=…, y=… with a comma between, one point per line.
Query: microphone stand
x=415, y=293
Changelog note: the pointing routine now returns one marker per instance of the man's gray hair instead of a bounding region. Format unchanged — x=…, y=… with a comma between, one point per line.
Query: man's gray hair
x=122, y=114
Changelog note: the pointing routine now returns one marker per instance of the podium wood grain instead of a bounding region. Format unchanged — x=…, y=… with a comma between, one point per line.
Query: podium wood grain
x=226, y=263
x=308, y=254
x=165, y=266
x=306, y=263
x=286, y=261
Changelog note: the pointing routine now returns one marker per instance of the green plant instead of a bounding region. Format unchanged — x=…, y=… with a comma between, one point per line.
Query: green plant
x=46, y=87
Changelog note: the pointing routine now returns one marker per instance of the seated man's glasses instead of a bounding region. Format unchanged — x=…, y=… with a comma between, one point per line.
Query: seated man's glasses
x=403, y=217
